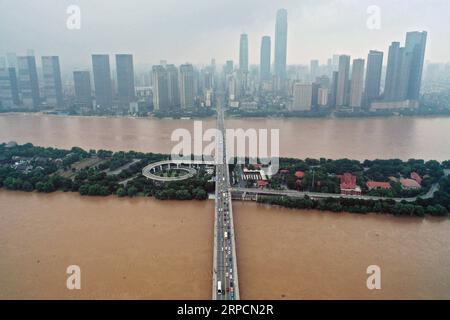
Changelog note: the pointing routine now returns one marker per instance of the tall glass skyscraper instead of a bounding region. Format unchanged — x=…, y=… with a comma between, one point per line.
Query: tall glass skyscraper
x=83, y=90
x=187, y=90
x=173, y=87
x=264, y=65
x=160, y=88
x=102, y=80
x=28, y=81
x=415, y=46
x=405, y=66
x=281, y=43
x=125, y=78
x=243, y=53
x=52, y=81
x=342, y=90
x=373, y=76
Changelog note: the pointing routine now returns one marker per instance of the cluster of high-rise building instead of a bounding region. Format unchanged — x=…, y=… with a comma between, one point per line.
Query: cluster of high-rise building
x=341, y=84
x=240, y=82
x=182, y=88
x=351, y=85
x=20, y=86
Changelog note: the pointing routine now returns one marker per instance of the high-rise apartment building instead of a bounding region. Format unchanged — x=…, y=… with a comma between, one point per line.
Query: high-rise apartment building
x=52, y=81
x=125, y=79
x=373, y=76
x=83, y=88
x=342, y=89
x=6, y=93
x=302, y=97
x=243, y=53
x=102, y=80
x=187, y=90
x=173, y=87
x=415, y=46
x=228, y=68
x=357, y=83
x=314, y=69
x=264, y=65
x=281, y=28
x=28, y=82
x=160, y=88
x=405, y=67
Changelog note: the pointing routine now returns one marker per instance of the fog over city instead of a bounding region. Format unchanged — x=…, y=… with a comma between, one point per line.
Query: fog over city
x=196, y=30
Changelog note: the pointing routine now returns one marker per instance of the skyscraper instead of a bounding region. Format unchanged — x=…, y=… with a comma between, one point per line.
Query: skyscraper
x=28, y=81
x=102, y=80
x=187, y=91
x=398, y=73
x=322, y=97
x=173, y=88
x=11, y=58
x=333, y=90
x=125, y=78
x=160, y=88
x=314, y=69
x=342, y=89
x=6, y=93
x=392, y=72
x=264, y=66
x=302, y=97
x=228, y=68
x=373, y=76
x=14, y=85
x=83, y=89
x=357, y=83
x=243, y=53
x=52, y=81
x=281, y=27
x=415, y=46
x=405, y=66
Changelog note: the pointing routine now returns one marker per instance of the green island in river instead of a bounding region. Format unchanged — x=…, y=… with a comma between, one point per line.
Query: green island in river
x=403, y=188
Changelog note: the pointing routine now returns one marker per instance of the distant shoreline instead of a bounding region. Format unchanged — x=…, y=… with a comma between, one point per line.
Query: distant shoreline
x=252, y=117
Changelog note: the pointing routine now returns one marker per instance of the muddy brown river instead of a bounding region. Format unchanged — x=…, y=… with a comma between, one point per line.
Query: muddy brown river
x=148, y=249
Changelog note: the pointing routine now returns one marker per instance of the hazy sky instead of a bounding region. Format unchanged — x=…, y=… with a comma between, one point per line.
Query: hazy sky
x=197, y=30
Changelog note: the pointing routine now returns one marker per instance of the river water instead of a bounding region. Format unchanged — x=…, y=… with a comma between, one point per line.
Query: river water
x=370, y=138
x=144, y=248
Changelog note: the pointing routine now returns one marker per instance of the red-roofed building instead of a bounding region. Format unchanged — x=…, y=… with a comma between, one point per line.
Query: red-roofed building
x=300, y=174
x=262, y=184
x=409, y=184
x=417, y=177
x=348, y=184
x=378, y=185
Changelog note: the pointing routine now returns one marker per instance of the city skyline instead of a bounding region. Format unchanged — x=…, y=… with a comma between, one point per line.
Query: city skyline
x=306, y=39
